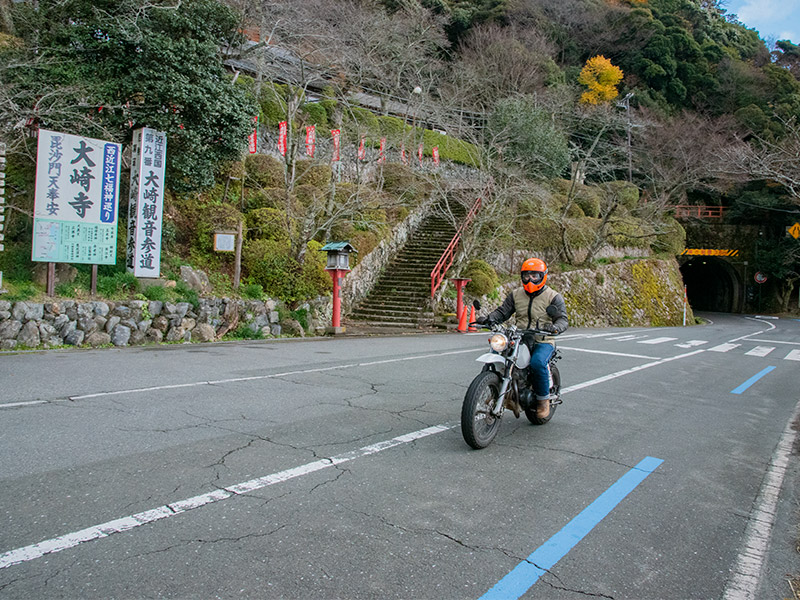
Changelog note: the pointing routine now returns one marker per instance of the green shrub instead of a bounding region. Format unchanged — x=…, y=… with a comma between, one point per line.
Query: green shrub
x=120, y=284
x=157, y=292
x=484, y=278
x=244, y=332
x=269, y=263
x=263, y=171
x=626, y=194
x=253, y=291
x=184, y=293
x=270, y=224
x=310, y=173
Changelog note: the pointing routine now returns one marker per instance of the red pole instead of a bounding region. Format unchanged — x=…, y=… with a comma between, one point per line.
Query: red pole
x=337, y=297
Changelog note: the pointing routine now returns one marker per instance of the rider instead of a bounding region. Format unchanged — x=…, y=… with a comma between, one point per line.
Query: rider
x=534, y=303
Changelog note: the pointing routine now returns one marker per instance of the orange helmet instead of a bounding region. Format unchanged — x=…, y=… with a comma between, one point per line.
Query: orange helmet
x=534, y=275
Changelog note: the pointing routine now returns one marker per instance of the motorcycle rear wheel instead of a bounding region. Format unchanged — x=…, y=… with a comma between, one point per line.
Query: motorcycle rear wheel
x=478, y=425
x=555, y=391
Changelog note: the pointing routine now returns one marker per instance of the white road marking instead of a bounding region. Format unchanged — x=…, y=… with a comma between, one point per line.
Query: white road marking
x=691, y=343
x=724, y=347
x=627, y=338
x=658, y=340
x=760, y=351
x=744, y=582
x=793, y=355
x=609, y=353
x=70, y=540
x=259, y=377
x=611, y=376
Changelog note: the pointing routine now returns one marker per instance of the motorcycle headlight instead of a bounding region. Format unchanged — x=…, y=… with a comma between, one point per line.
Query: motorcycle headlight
x=498, y=342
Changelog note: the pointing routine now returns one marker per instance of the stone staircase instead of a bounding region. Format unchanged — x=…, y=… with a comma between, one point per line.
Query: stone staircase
x=401, y=298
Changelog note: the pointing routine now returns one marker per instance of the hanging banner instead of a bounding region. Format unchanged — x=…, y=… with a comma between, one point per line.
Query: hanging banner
x=252, y=140
x=382, y=154
x=419, y=154
x=146, y=202
x=76, y=199
x=336, y=135
x=362, y=149
x=435, y=152
x=403, y=154
x=311, y=139
x=282, y=137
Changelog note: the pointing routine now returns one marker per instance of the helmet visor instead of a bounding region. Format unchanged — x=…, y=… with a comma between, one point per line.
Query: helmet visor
x=534, y=277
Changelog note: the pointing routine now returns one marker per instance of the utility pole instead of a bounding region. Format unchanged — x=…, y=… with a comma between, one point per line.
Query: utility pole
x=626, y=104
x=2, y=202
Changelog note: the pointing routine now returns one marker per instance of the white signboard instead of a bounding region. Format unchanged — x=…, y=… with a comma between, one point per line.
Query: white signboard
x=146, y=205
x=77, y=195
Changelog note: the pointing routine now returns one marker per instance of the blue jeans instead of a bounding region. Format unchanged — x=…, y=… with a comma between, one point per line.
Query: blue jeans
x=540, y=376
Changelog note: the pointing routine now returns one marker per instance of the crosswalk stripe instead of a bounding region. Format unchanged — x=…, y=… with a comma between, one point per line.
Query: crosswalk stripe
x=793, y=355
x=659, y=340
x=760, y=351
x=723, y=347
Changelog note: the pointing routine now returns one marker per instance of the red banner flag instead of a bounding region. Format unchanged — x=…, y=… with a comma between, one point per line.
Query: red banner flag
x=335, y=135
x=311, y=139
x=252, y=140
x=419, y=153
x=403, y=154
x=435, y=152
x=282, y=137
x=362, y=149
x=382, y=156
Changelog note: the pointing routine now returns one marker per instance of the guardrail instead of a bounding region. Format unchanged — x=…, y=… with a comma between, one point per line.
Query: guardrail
x=446, y=260
x=700, y=212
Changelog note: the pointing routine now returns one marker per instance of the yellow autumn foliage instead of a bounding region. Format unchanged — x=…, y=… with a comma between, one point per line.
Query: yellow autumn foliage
x=601, y=77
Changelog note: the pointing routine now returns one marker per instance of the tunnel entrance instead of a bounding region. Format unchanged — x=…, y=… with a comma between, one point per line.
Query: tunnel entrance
x=712, y=284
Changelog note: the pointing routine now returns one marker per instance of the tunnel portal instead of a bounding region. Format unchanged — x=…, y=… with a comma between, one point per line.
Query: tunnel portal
x=712, y=284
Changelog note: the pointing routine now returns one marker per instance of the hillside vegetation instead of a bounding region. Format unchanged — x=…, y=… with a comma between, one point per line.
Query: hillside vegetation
x=591, y=117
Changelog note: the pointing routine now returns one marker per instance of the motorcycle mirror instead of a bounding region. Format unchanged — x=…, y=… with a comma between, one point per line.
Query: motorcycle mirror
x=476, y=304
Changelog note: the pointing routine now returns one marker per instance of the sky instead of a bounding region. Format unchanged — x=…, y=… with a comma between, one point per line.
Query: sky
x=771, y=18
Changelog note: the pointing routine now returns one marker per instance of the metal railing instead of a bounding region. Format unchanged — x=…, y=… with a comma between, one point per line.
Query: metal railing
x=446, y=260
x=700, y=212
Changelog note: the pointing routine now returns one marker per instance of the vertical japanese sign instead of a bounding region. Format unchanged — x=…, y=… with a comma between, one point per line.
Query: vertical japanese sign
x=435, y=153
x=146, y=204
x=77, y=195
x=283, y=134
x=362, y=149
x=336, y=136
x=311, y=140
x=382, y=155
x=252, y=139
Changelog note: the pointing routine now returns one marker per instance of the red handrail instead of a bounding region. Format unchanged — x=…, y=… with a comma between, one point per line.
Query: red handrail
x=701, y=212
x=446, y=260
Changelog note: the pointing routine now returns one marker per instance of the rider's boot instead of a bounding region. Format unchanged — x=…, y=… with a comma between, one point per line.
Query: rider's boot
x=543, y=406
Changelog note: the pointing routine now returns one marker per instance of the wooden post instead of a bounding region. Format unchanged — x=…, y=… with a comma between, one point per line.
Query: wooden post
x=51, y=279
x=94, y=281
x=237, y=270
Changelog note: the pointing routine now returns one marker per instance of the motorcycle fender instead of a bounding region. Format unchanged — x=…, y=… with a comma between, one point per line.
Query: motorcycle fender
x=491, y=357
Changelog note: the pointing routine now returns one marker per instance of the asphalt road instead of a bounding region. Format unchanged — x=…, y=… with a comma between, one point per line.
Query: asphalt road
x=335, y=468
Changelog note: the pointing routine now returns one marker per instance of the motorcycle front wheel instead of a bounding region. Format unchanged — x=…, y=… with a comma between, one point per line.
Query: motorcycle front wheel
x=555, y=390
x=478, y=425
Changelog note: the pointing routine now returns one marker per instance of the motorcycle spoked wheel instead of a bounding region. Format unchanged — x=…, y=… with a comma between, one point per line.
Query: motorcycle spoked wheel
x=555, y=390
x=478, y=426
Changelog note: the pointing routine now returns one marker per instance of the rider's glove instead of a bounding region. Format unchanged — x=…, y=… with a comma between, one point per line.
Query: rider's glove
x=482, y=320
x=548, y=327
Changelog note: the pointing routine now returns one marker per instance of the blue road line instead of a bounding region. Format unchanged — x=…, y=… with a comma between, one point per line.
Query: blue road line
x=520, y=579
x=751, y=381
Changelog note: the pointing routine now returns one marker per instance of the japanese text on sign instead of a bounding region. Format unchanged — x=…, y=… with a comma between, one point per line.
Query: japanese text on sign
x=77, y=192
x=146, y=205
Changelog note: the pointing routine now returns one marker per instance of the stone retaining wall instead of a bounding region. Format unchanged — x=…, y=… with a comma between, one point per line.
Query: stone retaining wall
x=132, y=322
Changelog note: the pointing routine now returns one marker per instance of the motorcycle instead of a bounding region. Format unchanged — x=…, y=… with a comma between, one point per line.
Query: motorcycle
x=503, y=383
